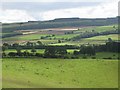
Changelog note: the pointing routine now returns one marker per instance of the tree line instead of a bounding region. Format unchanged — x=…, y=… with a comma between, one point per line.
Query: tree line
x=10, y=35
x=110, y=46
x=93, y=33
x=61, y=52
x=37, y=45
x=60, y=23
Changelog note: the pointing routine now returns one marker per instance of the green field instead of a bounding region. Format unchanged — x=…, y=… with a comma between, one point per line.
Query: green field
x=53, y=73
x=104, y=37
x=29, y=50
x=98, y=28
x=93, y=40
x=65, y=36
x=53, y=40
x=38, y=36
x=26, y=37
x=33, y=70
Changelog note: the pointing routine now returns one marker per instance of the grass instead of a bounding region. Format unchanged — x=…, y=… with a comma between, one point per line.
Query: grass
x=93, y=40
x=101, y=55
x=59, y=73
x=26, y=37
x=38, y=36
x=72, y=50
x=104, y=37
x=48, y=41
x=29, y=50
x=81, y=42
x=38, y=50
x=65, y=36
x=97, y=28
x=23, y=39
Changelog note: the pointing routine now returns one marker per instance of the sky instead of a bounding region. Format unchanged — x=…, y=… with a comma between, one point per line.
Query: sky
x=34, y=10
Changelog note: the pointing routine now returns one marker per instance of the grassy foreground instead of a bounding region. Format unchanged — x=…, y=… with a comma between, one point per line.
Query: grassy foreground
x=52, y=73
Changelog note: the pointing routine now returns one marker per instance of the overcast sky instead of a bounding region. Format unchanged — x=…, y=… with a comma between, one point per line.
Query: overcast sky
x=44, y=10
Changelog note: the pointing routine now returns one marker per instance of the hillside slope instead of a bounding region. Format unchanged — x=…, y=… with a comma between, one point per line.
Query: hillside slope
x=57, y=23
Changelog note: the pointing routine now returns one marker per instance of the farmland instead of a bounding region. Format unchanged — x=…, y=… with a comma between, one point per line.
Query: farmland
x=60, y=54
x=98, y=28
x=60, y=35
x=53, y=73
x=93, y=40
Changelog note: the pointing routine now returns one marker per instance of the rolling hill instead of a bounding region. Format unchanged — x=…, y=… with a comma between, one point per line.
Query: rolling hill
x=57, y=23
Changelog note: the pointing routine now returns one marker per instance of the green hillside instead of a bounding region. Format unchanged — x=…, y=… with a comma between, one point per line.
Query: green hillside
x=65, y=22
x=59, y=73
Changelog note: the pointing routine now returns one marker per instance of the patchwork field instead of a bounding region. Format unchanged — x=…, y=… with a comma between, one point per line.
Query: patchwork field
x=85, y=71
x=104, y=37
x=93, y=40
x=54, y=40
x=53, y=73
x=59, y=34
x=98, y=28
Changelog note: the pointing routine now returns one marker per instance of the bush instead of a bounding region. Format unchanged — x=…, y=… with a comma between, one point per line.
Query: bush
x=76, y=53
x=74, y=57
x=118, y=58
x=4, y=54
x=108, y=58
x=114, y=55
x=84, y=57
x=65, y=57
x=12, y=54
x=89, y=50
x=93, y=57
x=39, y=55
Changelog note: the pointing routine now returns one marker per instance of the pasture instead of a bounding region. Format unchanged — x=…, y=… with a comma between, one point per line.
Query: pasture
x=38, y=37
x=59, y=34
x=97, y=28
x=98, y=70
x=104, y=37
x=59, y=73
x=93, y=40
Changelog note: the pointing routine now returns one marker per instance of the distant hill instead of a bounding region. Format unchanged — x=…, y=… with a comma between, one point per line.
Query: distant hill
x=59, y=22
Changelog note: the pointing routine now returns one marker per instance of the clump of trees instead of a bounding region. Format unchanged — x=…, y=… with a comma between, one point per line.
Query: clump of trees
x=109, y=47
x=70, y=32
x=3, y=49
x=53, y=51
x=48, y=36
x=94, y=33
x=86, y=50
x=36, y=45
x=59, y=41
x=59, y=51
